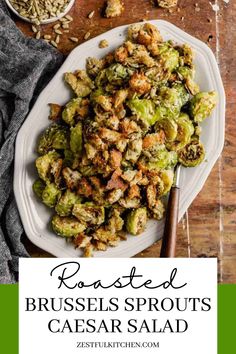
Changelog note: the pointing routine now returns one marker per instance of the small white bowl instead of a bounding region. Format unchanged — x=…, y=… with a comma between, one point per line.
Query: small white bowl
x=44, y=22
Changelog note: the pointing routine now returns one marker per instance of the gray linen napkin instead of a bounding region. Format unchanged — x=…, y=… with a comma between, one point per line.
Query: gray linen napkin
x=26, y=66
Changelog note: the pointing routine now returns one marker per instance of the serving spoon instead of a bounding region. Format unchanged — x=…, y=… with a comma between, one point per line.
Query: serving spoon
x=170, y=230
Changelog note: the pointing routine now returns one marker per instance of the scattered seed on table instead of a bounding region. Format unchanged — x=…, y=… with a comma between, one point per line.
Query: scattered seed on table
x=38, y=35
x=74, y=39
x=47, y=36
x=57, y=40
x=66, y=31
x=65, y=25
x=91, y=14
x=57, y=31
x=34, y=29
x=87, y=35
x=54, y=44
x=69, y=17
x=58, y=25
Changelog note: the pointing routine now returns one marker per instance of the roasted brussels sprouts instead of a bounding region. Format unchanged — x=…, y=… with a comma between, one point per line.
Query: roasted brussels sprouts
x=144, y=109
x=192, y=154
x=169, y=56
x=55, y=137
x=89, y=213
x=44, y=164
x=202, y=105
x=66, y=202
x=67, y=226
x=136, y=221
x=167, y=178
x=50, y=195
x=169, y=126
x=163, y=159
x=38, y=187
x=185, y=131
x=116, y=74
x=76, y=142
x=70, y=110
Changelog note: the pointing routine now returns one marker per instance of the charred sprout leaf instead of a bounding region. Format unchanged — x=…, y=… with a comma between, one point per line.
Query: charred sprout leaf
x=89, y=213
x=76, y=142
x=55, y=111
x=136, y=221
x=38, y=188
x=55, y=137
x=192, y=154
x=67, y=226
x=202, y=105
x=66, y=202
x=44, y=164
x=70, y=110
x=50, y=195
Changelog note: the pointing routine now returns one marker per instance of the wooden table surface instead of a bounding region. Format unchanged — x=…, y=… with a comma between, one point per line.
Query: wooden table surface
x=208, y=229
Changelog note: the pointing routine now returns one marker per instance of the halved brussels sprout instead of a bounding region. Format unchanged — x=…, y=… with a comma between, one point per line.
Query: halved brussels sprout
x=186, y=74
x=163, y=159
x=38, y=187
x=182, y=93
x=89, y=213
x=116, y=74
x=70, y=110
x=44, y=164
x=76, y=142
x=169, y=102
x=50, y=195
x=169, y=56
x=55, y=137
x=136, y=221
x=143, y=109
x=66, y=202
x=67, y=226
x=167, y=177
x=185, y=131
x=192, y=154
x=169, y=126
x=202, y=105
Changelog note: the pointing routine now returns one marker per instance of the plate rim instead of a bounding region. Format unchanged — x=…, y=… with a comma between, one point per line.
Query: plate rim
x=35, y=237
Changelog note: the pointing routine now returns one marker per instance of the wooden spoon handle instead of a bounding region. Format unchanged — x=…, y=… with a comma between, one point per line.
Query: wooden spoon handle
x=170, y=231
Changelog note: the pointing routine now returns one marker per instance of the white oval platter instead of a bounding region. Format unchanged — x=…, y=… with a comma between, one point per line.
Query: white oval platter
x=36, y=217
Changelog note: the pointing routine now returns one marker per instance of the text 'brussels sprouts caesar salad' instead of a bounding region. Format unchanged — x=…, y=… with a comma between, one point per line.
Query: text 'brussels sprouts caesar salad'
x=107, y=159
